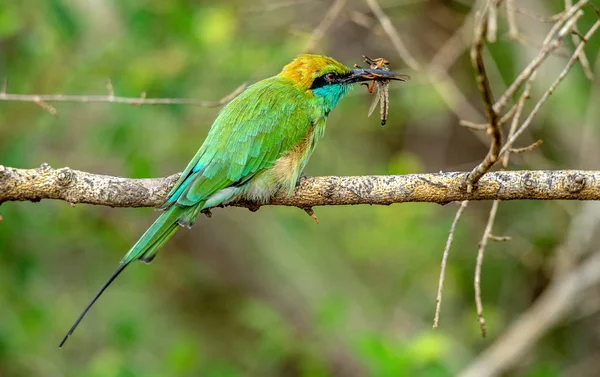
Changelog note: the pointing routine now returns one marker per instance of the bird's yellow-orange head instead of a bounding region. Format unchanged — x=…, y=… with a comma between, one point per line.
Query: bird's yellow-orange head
x=306, y=69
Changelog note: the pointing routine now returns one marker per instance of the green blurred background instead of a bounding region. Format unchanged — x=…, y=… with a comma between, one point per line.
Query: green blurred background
x=271, y=293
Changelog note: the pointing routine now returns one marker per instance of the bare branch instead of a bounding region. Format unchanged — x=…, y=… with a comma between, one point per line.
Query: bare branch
x=111, y=98
x=483, y=83
x=499, y=238
x=76, y=186
x=472, y=125
x=319, y=32
x=454, y=47
x=438, y=306
x=483, y=126
x=544, y=19
x=493, y=128
x=553, y=87
x=556, y=301
x=513, y=29
x=436, y=72
x=517, y=118
x=492, y=21
x=583, y=60
x=552, y=41
x=527, y=148
x=480, y=253
x=487, y=235
x=393, y=34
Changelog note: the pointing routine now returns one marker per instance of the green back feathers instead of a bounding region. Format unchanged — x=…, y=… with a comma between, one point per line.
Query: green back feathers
x=249, y=135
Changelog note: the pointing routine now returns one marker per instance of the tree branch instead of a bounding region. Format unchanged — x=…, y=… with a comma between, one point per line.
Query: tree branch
x=554, y=304
x=76, y=186
x=552, y=41
x=485, y=88
x=42, y=99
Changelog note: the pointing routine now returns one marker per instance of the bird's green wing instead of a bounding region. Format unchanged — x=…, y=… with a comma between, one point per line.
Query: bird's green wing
x=249, y=135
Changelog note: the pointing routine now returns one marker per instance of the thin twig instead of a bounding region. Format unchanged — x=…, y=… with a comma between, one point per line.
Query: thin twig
x=561, y=297
x=444, y=84
x=319, y=32
x=436, y=72
x=455, y=46
x=552, y=41
x=492, y=215
x=550, y=90
x=499, y=238
x=561, y=51
x=393, y=34
x=596, y=10
x=513, y=28
x=528, y=148
x=517, y=117
x=547, y=20
x=483, y=126
x=472, y=125
x=449, y=241
x=492, y=21
x=452, y=95
x=480, y=253
x=483, y=83
x=44, y=98
x=583, y=60
x=508, y=116
x=588, y=147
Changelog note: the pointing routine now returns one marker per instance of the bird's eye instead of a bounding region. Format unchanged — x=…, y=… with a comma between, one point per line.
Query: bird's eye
x=330, y=76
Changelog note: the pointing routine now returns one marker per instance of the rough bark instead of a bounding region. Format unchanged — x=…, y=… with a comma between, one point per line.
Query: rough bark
x=76, y=186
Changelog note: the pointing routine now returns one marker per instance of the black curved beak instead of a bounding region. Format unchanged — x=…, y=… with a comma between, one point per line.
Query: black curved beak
x=368, y=74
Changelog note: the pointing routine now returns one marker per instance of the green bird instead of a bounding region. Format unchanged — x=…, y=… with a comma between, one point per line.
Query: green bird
x=257, y=147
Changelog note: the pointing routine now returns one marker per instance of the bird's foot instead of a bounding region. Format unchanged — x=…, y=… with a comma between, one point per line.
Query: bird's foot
x=253, y=207
x=311, y=212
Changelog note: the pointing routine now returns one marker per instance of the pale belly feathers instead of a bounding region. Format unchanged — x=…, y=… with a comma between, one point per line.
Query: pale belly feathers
x=281, y=177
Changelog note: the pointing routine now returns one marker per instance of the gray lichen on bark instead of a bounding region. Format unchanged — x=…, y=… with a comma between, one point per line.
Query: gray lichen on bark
x=76, y=186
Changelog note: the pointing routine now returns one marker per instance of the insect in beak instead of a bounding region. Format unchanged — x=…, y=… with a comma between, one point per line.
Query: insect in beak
x=380, y=76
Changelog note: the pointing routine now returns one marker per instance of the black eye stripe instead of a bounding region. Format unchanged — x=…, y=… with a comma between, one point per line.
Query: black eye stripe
x=319, y=82
x=325, y=80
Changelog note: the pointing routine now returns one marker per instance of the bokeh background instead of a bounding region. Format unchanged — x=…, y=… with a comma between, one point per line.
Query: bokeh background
x=271, y=293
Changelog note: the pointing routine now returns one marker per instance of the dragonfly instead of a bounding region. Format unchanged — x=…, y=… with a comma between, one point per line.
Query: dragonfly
x=381, y=86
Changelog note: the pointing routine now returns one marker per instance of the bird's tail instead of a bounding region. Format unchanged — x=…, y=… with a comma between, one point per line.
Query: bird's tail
x=164, y=227
x=145, y=250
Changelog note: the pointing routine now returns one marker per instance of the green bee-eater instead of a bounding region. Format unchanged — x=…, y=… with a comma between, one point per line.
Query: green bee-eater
x=257, y=147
